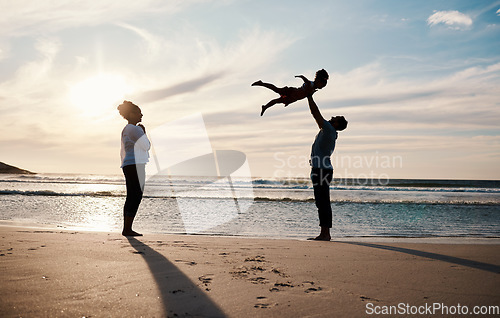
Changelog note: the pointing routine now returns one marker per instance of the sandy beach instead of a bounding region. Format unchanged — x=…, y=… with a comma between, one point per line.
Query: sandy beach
x=63, y=273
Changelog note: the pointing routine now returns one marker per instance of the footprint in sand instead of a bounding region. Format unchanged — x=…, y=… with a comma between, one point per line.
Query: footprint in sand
x=278, y=272
x=240, y=271
x=9, y=251
x=257, y=258
x=245, y=271
x=313, y=289
x=206, y=280
x=364, y=298
x=264, y=305
x=257, y=269
x=280, y=286
x=258, y=280
x=287, y=284
x=191, y=263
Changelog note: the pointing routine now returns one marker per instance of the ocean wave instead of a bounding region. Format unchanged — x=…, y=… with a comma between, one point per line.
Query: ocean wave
x=385, y=201
x=415, y=189
x=193, y=184
x=61, y=194
x=380, y=188
x=389, y=185
x=283, y=182
x=488, y=186
x=62, y=180
x=284, y=198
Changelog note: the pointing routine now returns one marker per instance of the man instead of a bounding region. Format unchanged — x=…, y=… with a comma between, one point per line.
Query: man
x=321, y=166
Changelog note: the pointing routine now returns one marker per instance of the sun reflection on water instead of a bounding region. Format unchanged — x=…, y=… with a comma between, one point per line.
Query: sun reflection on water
x=100, y=214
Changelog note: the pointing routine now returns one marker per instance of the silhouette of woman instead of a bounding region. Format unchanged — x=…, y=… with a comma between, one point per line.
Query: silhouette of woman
x=134, y=156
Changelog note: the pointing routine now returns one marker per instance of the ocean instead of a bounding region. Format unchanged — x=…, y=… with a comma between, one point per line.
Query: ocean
x=255, y=207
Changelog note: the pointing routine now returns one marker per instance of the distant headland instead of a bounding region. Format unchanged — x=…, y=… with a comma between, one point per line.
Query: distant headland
x=5, y=168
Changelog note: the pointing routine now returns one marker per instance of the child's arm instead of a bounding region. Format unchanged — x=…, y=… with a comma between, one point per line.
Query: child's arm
x=303, y=78
x=309, y=90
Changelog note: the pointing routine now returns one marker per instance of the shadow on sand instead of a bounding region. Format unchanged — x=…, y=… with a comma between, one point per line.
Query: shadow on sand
x=440, y=257
x=179, y=295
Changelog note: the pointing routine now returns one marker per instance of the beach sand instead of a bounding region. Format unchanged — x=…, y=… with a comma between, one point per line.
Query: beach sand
x=61, y=273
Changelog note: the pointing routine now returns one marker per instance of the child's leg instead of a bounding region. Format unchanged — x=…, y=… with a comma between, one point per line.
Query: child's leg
x=272, y=103
x=268, y=85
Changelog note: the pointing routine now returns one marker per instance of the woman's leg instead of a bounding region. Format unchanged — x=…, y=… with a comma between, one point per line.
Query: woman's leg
x=133, y=176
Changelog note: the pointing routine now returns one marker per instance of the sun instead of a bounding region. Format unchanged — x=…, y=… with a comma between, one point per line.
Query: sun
x=99, y=94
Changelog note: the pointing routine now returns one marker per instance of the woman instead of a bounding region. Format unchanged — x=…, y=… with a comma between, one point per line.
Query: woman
x=134, y=156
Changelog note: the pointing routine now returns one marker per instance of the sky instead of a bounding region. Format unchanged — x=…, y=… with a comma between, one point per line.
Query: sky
x=418, y=82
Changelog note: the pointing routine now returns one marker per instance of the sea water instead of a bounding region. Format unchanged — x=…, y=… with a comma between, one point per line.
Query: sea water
x=257, y=207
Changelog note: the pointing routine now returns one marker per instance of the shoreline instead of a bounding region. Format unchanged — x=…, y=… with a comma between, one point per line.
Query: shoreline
x=61, y=272
x=374, y=239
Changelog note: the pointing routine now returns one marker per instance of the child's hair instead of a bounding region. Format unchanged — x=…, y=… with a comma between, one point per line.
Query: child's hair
x=126, y=108
x=322, y=75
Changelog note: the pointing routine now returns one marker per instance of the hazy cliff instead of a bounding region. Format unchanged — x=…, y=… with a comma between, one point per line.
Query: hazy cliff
x=5, y=168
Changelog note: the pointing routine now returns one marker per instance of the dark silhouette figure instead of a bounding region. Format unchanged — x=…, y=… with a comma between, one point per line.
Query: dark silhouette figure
x=492, y=268
x=290, y=95
x=321, y=166
x=178, y=292
x=134, y=156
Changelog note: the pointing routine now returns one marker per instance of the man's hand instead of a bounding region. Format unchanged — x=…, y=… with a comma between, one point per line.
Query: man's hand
x=142, y=126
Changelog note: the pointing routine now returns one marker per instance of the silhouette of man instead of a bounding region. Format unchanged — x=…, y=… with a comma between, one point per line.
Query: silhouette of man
x=321, y=166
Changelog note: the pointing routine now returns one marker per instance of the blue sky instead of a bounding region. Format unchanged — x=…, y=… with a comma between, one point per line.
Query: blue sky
x=417, y=80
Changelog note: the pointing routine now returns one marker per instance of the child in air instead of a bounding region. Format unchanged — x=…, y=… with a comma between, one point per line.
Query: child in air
x=290, y=95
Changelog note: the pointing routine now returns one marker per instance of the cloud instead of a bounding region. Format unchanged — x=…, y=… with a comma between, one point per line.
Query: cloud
x=392, y=98
x=378, y=107
x=498, y=12
x=32, y=80
x=180, y=88
x=467, y=98
x=453, y=19
x=204, y=65
x=153, y=42
x=35, y=105
x=23, y=17
x=254, y=49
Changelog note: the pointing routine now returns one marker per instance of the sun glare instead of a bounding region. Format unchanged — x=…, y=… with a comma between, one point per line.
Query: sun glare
x=99, y=94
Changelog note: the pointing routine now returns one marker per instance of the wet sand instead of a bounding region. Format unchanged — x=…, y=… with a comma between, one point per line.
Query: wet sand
x=61, y=273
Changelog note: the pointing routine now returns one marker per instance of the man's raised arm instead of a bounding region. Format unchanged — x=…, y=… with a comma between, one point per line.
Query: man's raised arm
x=315, y=111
